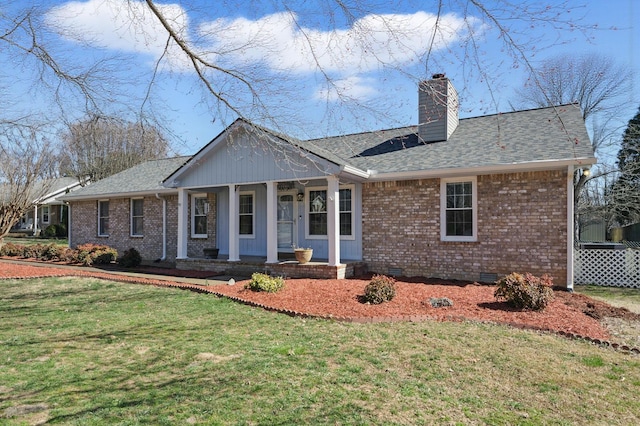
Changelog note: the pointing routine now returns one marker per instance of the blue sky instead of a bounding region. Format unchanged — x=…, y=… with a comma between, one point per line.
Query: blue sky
x=374, y=84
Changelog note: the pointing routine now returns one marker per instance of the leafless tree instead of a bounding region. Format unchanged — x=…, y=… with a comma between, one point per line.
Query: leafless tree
x=102, y=146
x=26, y=165
x=594, y=81
x=599, y=86
x=241, y=78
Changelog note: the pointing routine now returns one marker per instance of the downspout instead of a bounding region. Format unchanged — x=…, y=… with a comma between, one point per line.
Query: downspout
x=69, y=223
x=570, y=227
x=164, y=227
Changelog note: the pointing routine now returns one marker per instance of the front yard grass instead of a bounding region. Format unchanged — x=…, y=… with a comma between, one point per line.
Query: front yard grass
x=29, y=241
x=93, y=352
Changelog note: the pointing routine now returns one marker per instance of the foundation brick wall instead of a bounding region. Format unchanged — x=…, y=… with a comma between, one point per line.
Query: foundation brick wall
x=84, y=217
x=522, y=227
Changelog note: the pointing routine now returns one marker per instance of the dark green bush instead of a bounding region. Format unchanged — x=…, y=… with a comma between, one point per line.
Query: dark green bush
x=380, y=289
x=130, y=258
x=61, y=230
x=263, y=282
x=49, y=232
x=526, y=292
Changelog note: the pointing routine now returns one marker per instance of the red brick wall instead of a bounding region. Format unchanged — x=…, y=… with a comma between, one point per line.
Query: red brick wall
x=522, y=227
x=84, y=216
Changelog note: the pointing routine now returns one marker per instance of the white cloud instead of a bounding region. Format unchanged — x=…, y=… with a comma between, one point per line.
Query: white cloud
x=121, y=25
x=279, y=41
x=276, y=41
x=349, y=88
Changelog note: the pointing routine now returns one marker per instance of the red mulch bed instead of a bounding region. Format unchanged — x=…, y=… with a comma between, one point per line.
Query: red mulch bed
x=567, y=313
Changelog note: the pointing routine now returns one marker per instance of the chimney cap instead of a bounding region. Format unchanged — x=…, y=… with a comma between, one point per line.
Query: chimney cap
x=438, y=76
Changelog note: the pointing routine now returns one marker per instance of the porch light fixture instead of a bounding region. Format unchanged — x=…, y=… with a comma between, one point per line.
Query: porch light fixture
x=586, y=171
x=300, y=196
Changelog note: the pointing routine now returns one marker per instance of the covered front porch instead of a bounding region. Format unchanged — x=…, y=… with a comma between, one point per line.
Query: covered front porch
x=255, y=196
x=288, y=267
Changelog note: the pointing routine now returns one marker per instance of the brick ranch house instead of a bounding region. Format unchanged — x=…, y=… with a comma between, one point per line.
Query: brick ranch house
x=468, y=199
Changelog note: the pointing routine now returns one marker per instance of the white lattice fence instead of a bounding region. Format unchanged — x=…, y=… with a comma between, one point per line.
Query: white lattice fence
x=616, y=268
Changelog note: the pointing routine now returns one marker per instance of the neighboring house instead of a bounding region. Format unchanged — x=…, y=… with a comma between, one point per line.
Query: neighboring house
x=48, y=209
x=467, y=199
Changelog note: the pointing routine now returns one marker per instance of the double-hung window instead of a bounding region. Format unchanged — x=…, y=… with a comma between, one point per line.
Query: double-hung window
x=317, y=212
x=199, y=213
x=103, y=218
x=247, y=219
x=45, y=214
x=137, y=217
x=459, y=209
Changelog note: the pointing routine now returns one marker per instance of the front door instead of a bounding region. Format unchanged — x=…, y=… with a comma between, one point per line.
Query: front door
x=287, y=235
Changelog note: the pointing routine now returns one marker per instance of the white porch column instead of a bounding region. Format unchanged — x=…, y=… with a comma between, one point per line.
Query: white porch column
x=183, y=213
x=272, y=222
x=35, y=220
x=570, y=227
x=234, y=225
x=333, y=220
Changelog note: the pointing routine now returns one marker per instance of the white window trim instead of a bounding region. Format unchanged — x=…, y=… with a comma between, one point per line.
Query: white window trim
x=443, y=209
x=193, y=211
x=131, y=216
x=253, y=215
x=48, y=214
x=307, y=212
x=100, y=216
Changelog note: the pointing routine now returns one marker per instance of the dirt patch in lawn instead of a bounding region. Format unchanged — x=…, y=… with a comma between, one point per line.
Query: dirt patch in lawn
x=568, y=312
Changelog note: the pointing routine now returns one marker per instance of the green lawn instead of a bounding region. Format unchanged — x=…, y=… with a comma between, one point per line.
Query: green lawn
x=90, y=352
x=28, y=241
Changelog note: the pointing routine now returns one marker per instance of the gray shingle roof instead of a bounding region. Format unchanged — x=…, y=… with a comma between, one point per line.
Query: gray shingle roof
x=537, y=135
x=545, y=134
x=144, y=178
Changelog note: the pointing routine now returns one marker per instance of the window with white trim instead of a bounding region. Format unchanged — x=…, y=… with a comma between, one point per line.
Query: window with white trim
x=458, y=209
x=317, y=212
x=199, y=213
x=45, y=214
x=137, y=217
x=103, y=218
x=247, y=218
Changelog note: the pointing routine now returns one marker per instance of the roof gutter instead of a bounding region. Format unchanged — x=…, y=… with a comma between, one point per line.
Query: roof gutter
x=532, y=166
x=345, y=168
x=71, y=198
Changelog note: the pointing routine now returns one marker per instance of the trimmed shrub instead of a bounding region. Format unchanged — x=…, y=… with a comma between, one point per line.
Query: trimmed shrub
x=526, y=292
x=95, y=254
x=32, y=251
x=11, y=249
x=130, y=258
x=380, y=289
x=263, y=282
x=50, y=252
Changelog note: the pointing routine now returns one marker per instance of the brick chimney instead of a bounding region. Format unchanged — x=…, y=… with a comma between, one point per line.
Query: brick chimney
x=437, y=109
